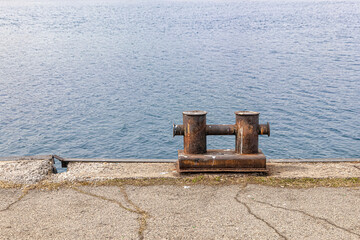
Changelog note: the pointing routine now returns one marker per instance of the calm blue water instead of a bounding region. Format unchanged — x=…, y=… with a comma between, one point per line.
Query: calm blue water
x=109, y=78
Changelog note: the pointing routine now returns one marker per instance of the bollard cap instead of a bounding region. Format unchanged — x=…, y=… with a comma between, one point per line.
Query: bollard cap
x=246, y=113
x=194, y=113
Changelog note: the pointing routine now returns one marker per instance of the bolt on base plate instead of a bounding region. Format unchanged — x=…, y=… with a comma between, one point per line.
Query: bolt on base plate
x=220, y=160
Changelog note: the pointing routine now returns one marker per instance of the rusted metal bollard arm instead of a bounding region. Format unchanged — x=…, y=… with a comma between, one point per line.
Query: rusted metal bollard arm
x=221, y=129
x=264, y=129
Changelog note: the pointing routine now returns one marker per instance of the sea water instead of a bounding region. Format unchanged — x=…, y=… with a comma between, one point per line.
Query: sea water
x=109, y=78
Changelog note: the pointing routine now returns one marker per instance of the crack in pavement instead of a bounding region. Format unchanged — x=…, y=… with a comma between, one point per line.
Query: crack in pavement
x=25, y=191
x=309, y=215
x=142, y=219
x=357, y=167
x=256, y=216
x=144, y=215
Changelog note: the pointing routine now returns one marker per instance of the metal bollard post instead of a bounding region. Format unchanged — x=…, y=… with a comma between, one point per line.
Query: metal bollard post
x=194, y=125
x=246, y=140
x=247, y=131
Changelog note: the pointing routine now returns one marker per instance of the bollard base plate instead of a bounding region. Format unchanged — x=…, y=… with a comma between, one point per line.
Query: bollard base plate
x=221, y=160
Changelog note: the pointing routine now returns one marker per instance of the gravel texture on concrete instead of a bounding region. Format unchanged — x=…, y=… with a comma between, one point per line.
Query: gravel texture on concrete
x=315, y=170
x=84, y=171
x=181, y=212
x=25, y=170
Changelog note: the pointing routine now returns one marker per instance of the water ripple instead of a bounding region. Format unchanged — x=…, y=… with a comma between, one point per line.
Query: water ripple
x=108, y=78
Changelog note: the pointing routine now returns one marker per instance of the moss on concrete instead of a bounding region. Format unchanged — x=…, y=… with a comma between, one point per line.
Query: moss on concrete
x=200, y=179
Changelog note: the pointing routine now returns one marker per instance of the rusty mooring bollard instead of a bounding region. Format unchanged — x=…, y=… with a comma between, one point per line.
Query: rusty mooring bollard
x=194, y=132
x=248, y=129
x=246, y=157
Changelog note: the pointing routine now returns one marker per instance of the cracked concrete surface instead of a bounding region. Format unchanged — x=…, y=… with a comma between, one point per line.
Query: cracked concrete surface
x=198, y=212
x=8, y=198
x=317, y=213
x=167, y=211
x=250, y=211
x=180, y=212
x=66, y=214
x=128, y=205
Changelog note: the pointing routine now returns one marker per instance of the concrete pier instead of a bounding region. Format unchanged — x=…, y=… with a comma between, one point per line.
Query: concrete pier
x=130, y=200
x=33, y=169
